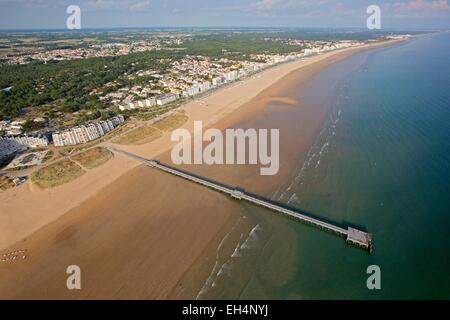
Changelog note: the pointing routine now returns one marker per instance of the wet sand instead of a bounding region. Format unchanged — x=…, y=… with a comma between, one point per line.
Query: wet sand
x=145, y=234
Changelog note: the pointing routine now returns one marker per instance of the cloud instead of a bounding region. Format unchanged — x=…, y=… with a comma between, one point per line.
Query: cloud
x=28, y=4
x=285, y=5
x=115, y=5
x=140, y=6
x=101, y=4
x=421, y=6
x=265, y=5
x=339, y=9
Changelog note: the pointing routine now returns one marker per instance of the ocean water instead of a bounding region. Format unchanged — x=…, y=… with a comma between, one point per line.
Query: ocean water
x=380, y=162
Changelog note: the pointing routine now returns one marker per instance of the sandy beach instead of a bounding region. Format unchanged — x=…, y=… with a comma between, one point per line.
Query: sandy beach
x=138, y=233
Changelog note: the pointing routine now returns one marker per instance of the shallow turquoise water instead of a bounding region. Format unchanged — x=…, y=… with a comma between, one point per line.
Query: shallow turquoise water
x=381, y=162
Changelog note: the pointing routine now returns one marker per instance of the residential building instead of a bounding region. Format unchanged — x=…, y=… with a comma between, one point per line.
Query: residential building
x=86, y=133
x=166, y=99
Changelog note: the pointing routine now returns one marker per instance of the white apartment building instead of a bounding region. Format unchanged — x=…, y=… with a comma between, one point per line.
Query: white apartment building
x=12, y=144
x=166, y=99
x=217, y=81
x=29, y=141
x=192, y=91
x=230, y=76
x=139, y=104
x=86, y=133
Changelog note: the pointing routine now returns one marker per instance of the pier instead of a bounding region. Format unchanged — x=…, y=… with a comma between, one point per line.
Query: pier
x=352, y=235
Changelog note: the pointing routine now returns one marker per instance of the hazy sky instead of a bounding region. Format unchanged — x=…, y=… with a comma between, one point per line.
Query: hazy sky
x=418, y=14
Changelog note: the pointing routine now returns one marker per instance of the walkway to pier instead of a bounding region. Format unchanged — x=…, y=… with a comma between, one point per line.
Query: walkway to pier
x=352, y=235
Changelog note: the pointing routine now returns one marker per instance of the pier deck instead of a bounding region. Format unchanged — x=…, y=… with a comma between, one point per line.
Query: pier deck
x=352, y=235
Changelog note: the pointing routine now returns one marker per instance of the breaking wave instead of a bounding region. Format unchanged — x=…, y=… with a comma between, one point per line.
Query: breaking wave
x=224, y=269
x=314, y=157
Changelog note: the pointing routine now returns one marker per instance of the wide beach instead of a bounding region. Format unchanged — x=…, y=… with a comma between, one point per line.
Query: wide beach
x=158, y=233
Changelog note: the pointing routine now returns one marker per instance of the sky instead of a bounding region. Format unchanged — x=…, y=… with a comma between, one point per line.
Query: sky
x=395, y=14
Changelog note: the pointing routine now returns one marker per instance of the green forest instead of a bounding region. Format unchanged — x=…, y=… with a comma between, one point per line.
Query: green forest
x=67, y=82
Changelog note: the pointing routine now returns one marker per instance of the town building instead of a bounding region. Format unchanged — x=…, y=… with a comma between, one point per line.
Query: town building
x=9, y=147
x=166, y=99
x=86, y=133
x=147, y=103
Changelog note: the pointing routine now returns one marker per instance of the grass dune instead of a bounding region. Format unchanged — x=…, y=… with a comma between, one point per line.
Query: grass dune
x=57, y=174
x=93, y=157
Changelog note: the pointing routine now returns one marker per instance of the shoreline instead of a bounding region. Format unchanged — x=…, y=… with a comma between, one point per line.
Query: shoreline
x=223, y=110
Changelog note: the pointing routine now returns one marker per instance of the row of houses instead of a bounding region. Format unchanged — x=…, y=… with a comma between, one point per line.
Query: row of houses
x=326, y=48
x=86, y=133
x=194, y=90
x=9, y=145
x=12, y=128
x=29, y=141
x=228, y=77
x=166, y=99
x=231, y=76
x=160, y=101
x=138, y=104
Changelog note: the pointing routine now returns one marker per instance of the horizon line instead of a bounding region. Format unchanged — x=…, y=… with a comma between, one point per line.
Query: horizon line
x=359, y=28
